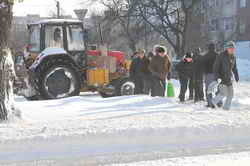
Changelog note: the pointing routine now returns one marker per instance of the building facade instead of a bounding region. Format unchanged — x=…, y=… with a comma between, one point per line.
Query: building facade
x=219, y=20
x=224, y=20
x=243, y=20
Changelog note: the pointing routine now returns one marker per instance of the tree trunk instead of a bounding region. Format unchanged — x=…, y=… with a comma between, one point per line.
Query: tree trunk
x=132, y=45
x=6, y=62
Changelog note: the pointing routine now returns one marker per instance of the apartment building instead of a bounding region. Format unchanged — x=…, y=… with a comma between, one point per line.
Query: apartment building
x=219, y=20
x=243, y=15
x=224, y=20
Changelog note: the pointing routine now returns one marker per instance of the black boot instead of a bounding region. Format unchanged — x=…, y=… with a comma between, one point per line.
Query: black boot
x=219, y=104
x=182, y=98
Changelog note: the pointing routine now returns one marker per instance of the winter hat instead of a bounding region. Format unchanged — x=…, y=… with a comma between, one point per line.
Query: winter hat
x=189, y=55
x=141, y=51
x=160, y=49
x=211, y=47
x=229, y=44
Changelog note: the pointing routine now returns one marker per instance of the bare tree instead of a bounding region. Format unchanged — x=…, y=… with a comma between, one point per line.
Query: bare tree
x=130, y=25
x=170, y=18
x=6, y=61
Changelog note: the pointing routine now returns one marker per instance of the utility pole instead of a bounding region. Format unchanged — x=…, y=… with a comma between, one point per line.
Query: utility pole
x=58, y=9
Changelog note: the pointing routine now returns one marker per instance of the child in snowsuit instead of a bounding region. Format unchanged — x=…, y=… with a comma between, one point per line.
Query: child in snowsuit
x=185, y=72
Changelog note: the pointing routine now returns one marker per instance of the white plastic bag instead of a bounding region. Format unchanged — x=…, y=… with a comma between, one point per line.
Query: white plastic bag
x=212, y=87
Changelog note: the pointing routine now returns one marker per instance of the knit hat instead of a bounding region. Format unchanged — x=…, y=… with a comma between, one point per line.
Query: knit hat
x=211, y=46
x=229, y=44
x=189, y=55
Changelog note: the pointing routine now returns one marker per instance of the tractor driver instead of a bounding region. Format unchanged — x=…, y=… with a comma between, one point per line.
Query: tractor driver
x=57, y=38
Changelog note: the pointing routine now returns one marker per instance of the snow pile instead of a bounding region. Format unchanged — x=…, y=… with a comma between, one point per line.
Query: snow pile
x=243, y=49
x=127, y=128
x=244, y=69
x=233, y=159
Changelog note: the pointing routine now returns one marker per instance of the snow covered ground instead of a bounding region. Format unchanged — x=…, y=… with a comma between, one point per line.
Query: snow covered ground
x=231, y=159
x=90, y=130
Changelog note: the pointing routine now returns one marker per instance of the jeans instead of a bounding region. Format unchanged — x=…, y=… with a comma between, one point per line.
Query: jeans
x=224, y=91
x=209, y=78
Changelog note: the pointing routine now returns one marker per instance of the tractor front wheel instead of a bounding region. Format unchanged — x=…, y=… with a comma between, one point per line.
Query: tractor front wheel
x=59, y=81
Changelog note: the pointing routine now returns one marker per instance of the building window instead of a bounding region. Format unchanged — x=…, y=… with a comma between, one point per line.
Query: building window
x=213, y=3
x=228, y=24
x=214, y=25
x=242, y=28
x=243, y=3
x=217, y=2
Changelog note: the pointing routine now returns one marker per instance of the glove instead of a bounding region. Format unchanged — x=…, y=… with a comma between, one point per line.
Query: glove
x=237, y=79
x=218, y=80
x=168, y=76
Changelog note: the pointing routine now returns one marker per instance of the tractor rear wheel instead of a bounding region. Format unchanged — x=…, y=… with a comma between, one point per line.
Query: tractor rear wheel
x=59, y=81
x=126, y=88
x=122, y=87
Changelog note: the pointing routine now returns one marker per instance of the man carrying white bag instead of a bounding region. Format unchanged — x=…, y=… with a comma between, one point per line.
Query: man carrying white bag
x=225, y=68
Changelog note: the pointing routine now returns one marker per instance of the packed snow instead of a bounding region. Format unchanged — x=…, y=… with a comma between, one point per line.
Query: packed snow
x=129, y=130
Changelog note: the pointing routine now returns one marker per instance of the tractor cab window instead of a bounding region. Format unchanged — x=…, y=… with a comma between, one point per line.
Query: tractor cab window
x=34, y=38
x=75, y=38
x=53, y=36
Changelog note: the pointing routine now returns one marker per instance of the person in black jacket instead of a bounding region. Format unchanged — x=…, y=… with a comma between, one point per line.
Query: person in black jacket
x=148, y=75
x=224, y=66
x=208, y=63
x=136, y=71
x=198, y=75
x=185, y=73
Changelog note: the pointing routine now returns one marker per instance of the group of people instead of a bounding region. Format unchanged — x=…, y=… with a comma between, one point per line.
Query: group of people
x=150, y=73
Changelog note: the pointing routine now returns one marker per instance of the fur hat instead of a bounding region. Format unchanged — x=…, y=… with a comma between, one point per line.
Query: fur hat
x=229, y=44
x=141, y=51
x=160, y=49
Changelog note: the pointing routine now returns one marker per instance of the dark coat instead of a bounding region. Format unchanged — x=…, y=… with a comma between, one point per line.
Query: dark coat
x=160, y=66
x=224, y=65
x=185, y=70
x=145, y=66
x=198, y=68
x=136, y=68
x=208, y=61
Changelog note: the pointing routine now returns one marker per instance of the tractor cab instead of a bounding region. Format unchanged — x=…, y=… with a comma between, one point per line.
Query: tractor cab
x=56, y=33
